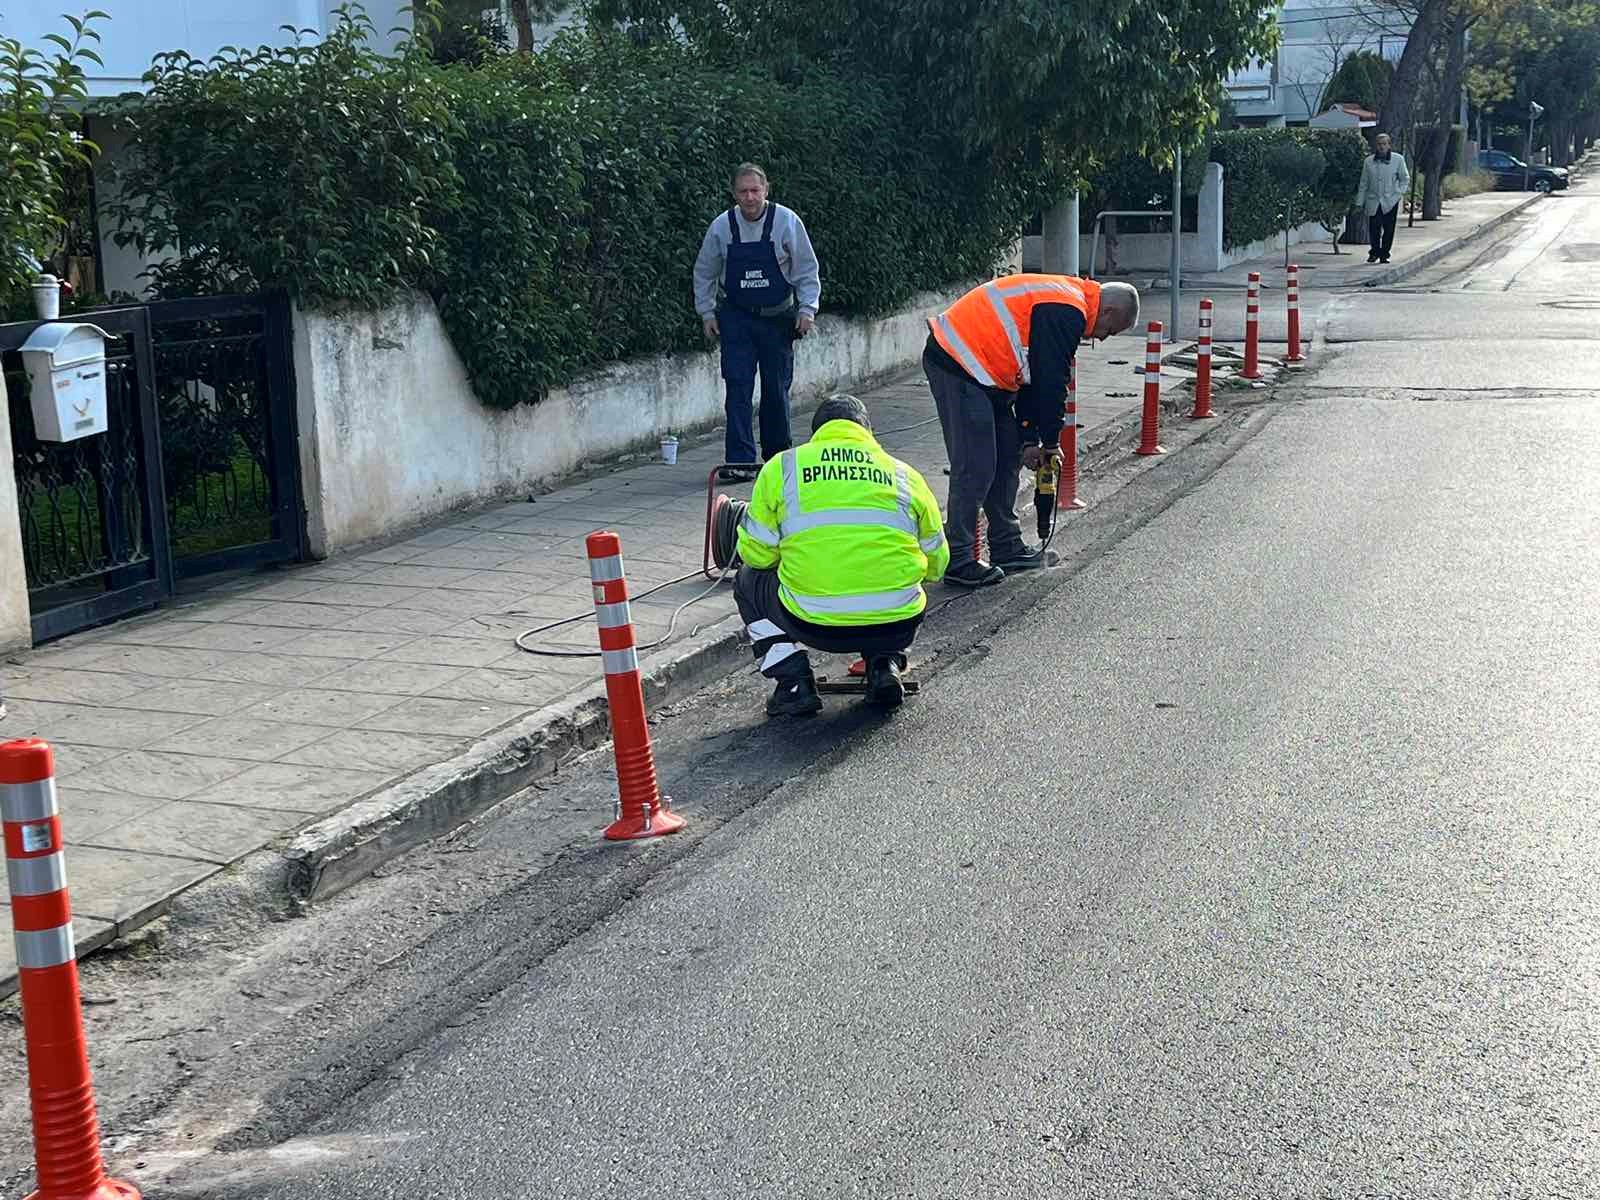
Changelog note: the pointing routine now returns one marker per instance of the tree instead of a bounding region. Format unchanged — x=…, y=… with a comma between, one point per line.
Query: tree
x=1022, y=84
x=1396, y=113
x=40, y=144
x=1362, y=78
x=1296, y=169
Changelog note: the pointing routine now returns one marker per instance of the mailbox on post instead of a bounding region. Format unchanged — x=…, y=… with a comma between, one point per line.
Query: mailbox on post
x=66, y=365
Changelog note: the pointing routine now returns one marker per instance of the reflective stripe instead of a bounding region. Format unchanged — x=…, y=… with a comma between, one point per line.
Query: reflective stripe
x=612, y=616
x=778, y=653
x=620, y=662
x=791, y=484
x=931, y=545
x=37, y=876
x=850, y=516
x=1038, y=287
x=763, y=629
x=602, y=570
x=28, y=801
x=47, y=948
x=858, y=602
x=963, y=352
x=1013, y=335
x=761, y=533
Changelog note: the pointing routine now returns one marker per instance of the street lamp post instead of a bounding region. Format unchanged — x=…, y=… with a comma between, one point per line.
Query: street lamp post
x=1534, y=109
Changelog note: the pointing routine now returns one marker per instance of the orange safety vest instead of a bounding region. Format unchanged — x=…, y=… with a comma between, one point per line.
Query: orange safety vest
x=986, y=331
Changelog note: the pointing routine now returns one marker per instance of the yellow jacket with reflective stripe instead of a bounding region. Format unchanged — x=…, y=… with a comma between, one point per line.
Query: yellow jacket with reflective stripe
x=853, y=531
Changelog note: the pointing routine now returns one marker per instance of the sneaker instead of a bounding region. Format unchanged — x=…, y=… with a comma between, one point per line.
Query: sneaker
x=1029, y=558
x=795, y=698
x=736, y=475
x=1384, y=260
x=973, y=575
x=884, y=688
x=1372, y=259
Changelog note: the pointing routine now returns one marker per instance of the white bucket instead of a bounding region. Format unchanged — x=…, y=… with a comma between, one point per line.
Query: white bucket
x=669, y=450
x=47, y=297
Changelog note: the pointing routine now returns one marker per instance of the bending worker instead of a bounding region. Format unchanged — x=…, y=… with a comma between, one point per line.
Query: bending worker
x=757, y=285
x=997, y=362
x=836, y=544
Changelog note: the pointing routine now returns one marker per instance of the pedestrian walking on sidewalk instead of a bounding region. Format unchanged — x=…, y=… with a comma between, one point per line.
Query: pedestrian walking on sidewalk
x=1384, y=180
x=837, y=542
x=997, y=362
x=757, y=285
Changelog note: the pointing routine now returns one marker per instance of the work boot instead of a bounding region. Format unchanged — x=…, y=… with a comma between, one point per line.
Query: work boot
x=1024, y=558
x=973, y=574
x=884, y=688
x=795, y=697
x=736, y=475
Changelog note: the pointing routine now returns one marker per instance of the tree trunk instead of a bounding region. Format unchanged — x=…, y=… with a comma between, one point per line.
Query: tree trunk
x=1449, y=100
x=1395, y=118
x=522, y=17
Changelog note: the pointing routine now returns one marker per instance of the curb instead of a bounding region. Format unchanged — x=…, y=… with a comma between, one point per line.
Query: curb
x=325, y=858
x=1428, y=257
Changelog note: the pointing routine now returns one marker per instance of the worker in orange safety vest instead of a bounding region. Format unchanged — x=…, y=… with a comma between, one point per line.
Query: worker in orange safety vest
x=997, y=362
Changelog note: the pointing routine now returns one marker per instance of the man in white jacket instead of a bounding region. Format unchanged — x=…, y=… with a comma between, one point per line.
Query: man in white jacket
x=1384, y=180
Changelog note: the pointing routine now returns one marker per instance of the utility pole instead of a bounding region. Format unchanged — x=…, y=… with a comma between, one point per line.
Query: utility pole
x=1073, y=219
x=1175, y=264
x=1534, y=109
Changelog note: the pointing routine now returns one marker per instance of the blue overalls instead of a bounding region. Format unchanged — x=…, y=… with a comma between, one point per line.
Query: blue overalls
x=757, y=322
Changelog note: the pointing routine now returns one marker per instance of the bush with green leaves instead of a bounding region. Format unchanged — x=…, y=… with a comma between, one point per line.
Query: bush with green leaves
x=1270, y=176
x=40, y=145
x=552, y=203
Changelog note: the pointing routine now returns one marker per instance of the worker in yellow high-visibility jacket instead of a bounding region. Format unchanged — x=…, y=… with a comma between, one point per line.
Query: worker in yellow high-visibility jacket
x=837, y=542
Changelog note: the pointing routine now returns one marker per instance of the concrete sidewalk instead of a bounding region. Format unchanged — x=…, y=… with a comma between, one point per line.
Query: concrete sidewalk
x=379, y=698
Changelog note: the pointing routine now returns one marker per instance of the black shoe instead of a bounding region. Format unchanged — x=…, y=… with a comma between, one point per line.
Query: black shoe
x=1029, y=558
x=736, y=475
x=973, y=575
x=1384, y=260
x=884, y=688
x=1371, y=259
x=795, y=698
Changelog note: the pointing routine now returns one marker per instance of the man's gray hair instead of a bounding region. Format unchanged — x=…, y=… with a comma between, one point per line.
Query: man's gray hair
x=747, y=168
x=1120, y=301
x=842, y=407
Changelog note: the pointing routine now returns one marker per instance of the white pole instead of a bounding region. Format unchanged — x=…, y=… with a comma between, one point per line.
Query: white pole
x=1073, y=221
x=1175, y=265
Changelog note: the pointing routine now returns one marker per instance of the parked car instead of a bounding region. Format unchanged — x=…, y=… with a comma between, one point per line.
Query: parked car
x=1511, y=174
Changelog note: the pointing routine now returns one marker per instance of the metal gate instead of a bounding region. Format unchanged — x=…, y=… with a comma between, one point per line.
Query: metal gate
x=197, y=473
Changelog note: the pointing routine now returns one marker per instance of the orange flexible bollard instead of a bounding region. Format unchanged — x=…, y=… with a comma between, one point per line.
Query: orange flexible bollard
x=66, y=1131
x=1067, y=487
x=1150, y=426
x=642, y=811
x=1202, y=367
x=1294, y=354
x=1252, y=329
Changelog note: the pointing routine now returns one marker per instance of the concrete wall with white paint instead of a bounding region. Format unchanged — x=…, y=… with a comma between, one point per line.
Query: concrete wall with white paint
x=14, y=616
x=392, y=435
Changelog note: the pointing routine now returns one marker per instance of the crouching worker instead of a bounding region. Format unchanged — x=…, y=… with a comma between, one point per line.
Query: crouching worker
x=837, y=542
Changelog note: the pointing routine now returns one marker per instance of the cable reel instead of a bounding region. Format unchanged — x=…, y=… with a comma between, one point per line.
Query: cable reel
x=726, y=513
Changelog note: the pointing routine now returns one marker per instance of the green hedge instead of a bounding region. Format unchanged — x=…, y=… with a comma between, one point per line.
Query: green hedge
x=1256, y=203
x=552, y=204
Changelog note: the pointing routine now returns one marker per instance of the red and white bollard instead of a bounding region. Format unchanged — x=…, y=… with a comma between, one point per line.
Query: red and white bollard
x=642, y=811
x=1150, y=427
x=1252, y=329
x=1202, y=367
x=1067, y=485
x=1294, y=315
x=66, y=1131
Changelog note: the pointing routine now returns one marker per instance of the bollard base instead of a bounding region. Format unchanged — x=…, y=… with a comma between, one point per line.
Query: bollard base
x=632, y=829
x=1148, y=450
x=1071, y=505
x=109, y=1189
x=1203, y=416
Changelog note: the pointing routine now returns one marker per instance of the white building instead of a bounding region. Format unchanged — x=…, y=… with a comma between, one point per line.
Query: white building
x=1315, y=37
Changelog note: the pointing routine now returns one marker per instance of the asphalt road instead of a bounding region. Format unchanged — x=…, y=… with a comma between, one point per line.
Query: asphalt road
x=1257, y=860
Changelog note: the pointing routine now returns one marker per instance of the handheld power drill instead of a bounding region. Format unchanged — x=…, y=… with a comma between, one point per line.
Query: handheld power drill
x=1044, y=495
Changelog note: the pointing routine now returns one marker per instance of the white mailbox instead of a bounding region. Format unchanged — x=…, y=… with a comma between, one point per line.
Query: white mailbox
x=66, y=364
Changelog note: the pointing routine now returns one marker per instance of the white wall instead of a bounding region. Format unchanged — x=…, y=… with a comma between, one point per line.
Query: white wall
x=391, y=433
x=140, y=29
x=14, y=626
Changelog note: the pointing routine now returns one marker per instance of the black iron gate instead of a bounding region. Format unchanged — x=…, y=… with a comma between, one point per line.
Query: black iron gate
x=197, y=472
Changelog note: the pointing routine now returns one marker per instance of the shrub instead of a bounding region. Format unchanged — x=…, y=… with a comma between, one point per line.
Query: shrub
x=552, y=203
x=1269, y=172
x=1467, y=183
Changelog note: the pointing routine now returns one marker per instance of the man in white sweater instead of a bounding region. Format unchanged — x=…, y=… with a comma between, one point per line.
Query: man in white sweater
x=1384, y=180
x=757, y=285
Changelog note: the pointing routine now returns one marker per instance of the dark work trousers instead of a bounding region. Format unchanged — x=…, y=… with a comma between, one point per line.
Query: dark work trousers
x=984, y=445
x=751, y=343
x=777, y=636
x=1380, y=232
